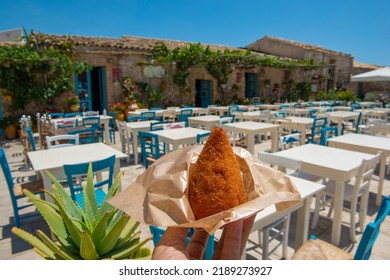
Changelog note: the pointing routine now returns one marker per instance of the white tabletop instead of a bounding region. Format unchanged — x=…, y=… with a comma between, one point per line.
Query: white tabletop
x=210, y=118
x=139, y=125
x=342, y=114
x=366, y=144
x=54, y=158
x=249, y=126
x=179, y=136
x=336, y=164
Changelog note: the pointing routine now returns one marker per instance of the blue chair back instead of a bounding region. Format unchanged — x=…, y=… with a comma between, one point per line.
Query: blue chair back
x=227, y=119
x=297, y=105
x=356, y=124
x=200, y=138
x=31, y=138
x=372, y=230
x=184, y=115
x=284, y=106
x=312, y=113
x=56, y=115
x=328, y=132
x=112, y=126
x=77, y=170
x=149, y=146
x=93, y=121
x=149, y=115
x=157, y=125
x=318, y=125
x=159, y=232
x=86, y=135
x=70, y=115
x=16, y=197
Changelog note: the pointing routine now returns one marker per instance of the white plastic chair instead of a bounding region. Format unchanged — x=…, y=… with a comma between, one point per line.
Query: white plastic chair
x=355, y=193
x=125, y=138
x=279, y=228
x=57, y=141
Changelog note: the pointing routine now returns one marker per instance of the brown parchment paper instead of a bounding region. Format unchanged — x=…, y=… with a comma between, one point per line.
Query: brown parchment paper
x=159, y=195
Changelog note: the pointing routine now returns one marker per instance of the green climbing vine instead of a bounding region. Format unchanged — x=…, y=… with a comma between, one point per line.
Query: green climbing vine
x=32, y=72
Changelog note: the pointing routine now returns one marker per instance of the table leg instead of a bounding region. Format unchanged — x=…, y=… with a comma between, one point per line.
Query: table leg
x=302, y=227
x=338, y=209
x=251, y=143
x=382, y=170
x=117, y=168
x=274, y=139
x=135, y=146
x=106, y=132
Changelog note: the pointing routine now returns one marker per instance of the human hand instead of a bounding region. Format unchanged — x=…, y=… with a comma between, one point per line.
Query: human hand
x=230, y=246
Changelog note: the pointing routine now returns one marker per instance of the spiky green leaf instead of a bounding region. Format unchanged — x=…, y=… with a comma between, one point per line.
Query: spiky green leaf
x=87, y=247
x=105, y=206
x=90, y=204
x=62, y=254
x=51, y=216
x=46, y=252
x=127, y=232
x=111, y=238
x=64, y=199
x=126, y=252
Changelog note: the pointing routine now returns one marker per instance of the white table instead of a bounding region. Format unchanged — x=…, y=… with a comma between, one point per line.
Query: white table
x=53, y=160
x=307, y=190
x=326, y=162
x=274, y=107
x=253, y=116
x=204, y=121
x=104, y=119
x=251, y=129
x=340, y=116
x=366, y=144
x=134, y=128
x=178, y=136
x=299, y=124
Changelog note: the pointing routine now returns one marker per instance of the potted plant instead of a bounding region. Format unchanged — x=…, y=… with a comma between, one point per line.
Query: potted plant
x=73, y=103
x=9, y=125
x=119, y=108
x=91, y=233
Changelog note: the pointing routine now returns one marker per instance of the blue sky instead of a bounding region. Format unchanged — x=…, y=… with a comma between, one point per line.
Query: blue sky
x=357, y=27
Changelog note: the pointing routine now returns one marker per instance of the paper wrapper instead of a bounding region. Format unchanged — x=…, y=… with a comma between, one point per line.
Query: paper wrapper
x=159, y=196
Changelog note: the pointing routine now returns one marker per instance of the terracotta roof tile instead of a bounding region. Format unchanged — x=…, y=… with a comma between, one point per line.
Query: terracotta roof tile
x=126, y=42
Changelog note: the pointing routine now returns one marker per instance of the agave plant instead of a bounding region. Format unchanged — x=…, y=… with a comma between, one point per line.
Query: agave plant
x=91, y=233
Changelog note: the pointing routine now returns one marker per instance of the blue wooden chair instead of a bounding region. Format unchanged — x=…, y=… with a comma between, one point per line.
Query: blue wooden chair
x=86, y=134
x=318, y=125
x=112, y=126
x=201, y=138
x=227, y=119
x=150, y=147
x=18, y=199
x=363, y=251
x=352, y=126
x=56, y=115
x=73, y=114
x=372, y=230
x=31, y=139
x=313, y=113
x=157, y=125
x=94, y=121
x=158, y=232
x=184, y=115
x=326, y=133
x=74, y=173
x=148, y=115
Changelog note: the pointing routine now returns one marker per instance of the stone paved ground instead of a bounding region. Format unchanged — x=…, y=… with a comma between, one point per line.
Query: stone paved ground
x=12, y=248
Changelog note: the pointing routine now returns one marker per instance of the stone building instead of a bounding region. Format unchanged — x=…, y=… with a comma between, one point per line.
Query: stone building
x=336, y=74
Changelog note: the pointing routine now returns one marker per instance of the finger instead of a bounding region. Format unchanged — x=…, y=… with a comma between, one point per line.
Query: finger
x=171, y=245
x=229, y=247
x=197, y=245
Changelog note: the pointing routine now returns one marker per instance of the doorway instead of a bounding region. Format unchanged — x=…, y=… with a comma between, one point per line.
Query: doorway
x=203, y=93
x=250, y=85
x=98, y=89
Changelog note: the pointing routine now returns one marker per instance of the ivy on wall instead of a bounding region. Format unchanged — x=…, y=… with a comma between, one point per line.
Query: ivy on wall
x=220, y=63
x=34, y=72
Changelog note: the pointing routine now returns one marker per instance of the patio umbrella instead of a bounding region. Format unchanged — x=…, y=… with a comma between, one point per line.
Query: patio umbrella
x=378, y=75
